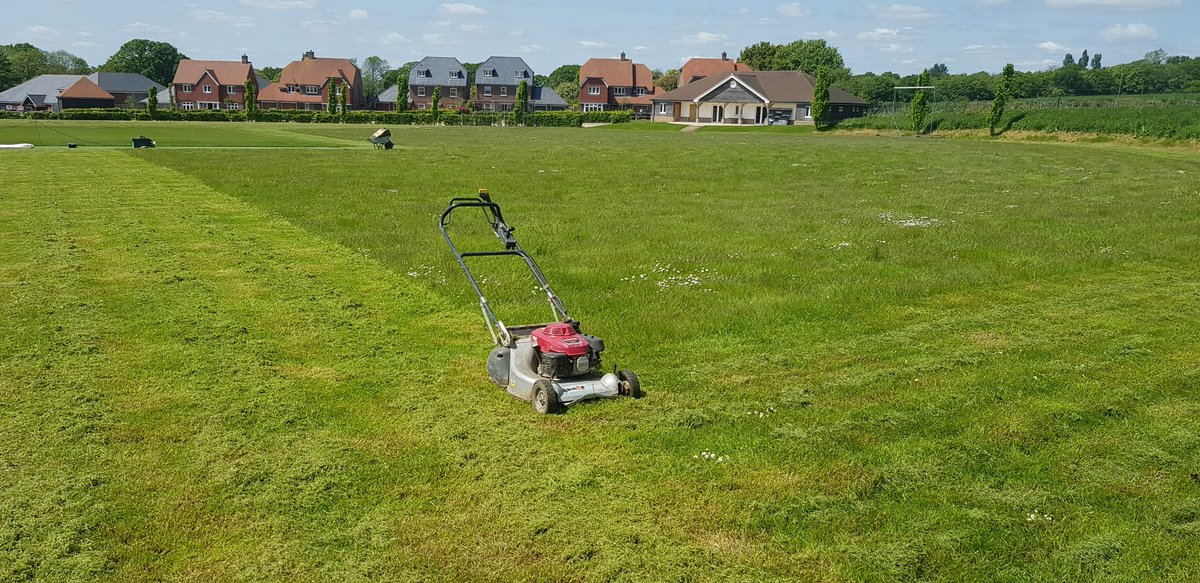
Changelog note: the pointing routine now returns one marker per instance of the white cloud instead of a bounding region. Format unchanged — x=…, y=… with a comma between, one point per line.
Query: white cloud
x=829, y=34
x=436, y=39
x=461, y=9
x=1123, y=33
x=894, y=48
x=206, y=15
x=899, y=12
x=395, y=38
x=41, y=30
x=701, y=38
x=591, y=44
x=143, y=28
x=792, y=9
x=1124, y=4
x=321, y=26
x=1053, y=47
x=889, y=34
x=530, y=49
x=357, y=14
x=280, y=4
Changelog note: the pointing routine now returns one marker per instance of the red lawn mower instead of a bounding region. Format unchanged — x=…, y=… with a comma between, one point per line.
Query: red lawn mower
x=553, y=365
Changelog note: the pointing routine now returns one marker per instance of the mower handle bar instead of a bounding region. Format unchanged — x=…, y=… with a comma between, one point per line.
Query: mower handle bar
x=492, y=214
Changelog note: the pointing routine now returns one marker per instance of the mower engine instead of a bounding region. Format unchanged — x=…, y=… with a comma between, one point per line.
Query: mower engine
x=563, y=352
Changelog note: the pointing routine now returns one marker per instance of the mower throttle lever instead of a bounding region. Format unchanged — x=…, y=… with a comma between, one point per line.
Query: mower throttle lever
x=505, y=234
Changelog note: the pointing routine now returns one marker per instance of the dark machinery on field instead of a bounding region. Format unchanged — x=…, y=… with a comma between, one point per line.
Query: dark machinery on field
x=552, y=365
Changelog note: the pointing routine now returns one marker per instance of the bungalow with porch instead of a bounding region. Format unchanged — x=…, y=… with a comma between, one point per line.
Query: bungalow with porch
x=756, y=98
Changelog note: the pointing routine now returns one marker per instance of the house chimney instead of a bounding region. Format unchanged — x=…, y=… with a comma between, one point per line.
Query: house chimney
x=622, y=55
x=245, y=60
x=724, y=56
x=310, y=55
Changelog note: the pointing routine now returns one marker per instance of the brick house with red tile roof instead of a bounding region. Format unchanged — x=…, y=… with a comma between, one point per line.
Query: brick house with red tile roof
x=606, y=84
x=212, y=84
x=84, y=94
x=698, y=68
x=305, y=84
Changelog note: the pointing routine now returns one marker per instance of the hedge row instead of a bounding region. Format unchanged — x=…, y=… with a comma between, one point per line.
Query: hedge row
x=449, y=117
x=1174, y=122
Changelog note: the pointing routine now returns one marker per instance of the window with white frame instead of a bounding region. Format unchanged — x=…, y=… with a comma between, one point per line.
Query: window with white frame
x=312, y=90
x=186, y=88
x=293, y=88
x=641, y=91
x=593, y=107
x=593, y=90
x=420, y=92
x=520, y=74
x=503, y=91
x=232, y=105
x=454, y=74
x=189, y=105
x=487, y=72
x=454, y=92
x=231, y=89
x=208, y=88
x=620, y=91
x=487, y=90
x=663, y=108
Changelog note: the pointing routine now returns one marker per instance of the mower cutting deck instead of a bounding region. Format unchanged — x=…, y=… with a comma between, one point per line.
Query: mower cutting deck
x=552, y=365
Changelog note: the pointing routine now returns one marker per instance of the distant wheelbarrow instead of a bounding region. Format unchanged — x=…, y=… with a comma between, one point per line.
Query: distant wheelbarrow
x=143, y=142
x=382, y=139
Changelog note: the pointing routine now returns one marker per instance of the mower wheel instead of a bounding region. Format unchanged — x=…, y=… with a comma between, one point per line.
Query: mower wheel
x=630, y=387
x=545, y=400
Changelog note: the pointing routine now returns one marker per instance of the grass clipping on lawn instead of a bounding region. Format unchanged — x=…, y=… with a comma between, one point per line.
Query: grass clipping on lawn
x=957, y=360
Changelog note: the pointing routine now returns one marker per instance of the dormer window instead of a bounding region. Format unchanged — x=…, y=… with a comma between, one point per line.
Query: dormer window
x=520, y=74
x=487, y=72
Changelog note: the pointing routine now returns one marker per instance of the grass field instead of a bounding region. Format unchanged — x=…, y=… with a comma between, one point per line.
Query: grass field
x=920, y=359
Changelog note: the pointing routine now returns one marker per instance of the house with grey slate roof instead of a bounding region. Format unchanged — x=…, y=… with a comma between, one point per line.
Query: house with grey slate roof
x=386, y=100
x=445, y=72
x=496, y=82
x=546, y=99
x=41, y=93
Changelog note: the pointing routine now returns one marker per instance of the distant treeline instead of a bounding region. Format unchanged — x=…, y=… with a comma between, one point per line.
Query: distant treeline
x=1154, y=73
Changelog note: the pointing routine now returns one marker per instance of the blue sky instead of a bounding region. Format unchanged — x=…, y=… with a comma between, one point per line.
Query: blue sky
x=878, y=36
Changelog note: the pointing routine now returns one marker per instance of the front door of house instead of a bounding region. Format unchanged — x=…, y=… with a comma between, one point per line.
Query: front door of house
x=718, y=113
x=760, y=115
